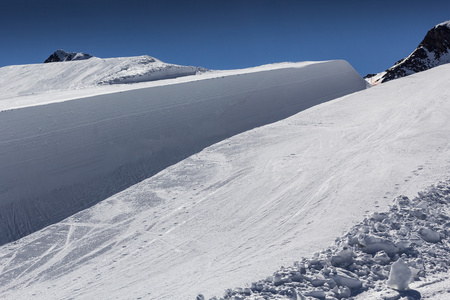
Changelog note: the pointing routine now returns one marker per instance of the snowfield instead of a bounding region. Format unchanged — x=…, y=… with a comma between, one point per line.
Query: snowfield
x=60, y=158
x=230, y=214
x=23, y=80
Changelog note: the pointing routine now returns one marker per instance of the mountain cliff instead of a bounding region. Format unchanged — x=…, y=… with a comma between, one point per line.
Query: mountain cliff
x=431, y=52
x=61, y=55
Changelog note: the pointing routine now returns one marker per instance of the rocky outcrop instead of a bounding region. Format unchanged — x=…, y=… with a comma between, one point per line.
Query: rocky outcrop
x=61, y=55
x=433, y=51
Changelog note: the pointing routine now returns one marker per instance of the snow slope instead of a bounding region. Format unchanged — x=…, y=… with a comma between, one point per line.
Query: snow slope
x=376, y=259
x=60, y=158
x=239, y=209
x=33, y=79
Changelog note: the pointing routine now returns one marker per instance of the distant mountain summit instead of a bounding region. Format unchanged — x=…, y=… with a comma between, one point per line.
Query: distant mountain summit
x=433, y=51
x=61, y=55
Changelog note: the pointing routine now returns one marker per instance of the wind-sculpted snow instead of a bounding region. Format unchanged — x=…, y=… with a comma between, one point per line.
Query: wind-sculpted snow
x=380, y=256
x=60, y=158
x=23, y=80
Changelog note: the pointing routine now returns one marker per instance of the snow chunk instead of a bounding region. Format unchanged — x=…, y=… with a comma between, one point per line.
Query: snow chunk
x=372, y=244
x=400, y=276
x=429, y=235
x=402, y=202
x=343, y=258
x=316, y=294
x=382, y=258
x=346, y=278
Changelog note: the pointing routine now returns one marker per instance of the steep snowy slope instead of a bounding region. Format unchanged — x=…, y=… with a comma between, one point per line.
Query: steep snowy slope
x=60, y=158
x=69, y=75
x=433, y=51
x=239, y=209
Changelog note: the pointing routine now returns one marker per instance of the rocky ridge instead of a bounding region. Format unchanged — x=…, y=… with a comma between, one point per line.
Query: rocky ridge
x=433, y=51
x=384, y=253
x=61, y=55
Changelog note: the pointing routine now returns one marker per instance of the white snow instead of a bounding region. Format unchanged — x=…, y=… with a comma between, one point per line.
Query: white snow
x=400, y=276
x=240, y=208
x=347, y=268
x=23, y=80
x=375, y=80
x=446, y=23
x=60, y=158
x=18, y=88
x=433, y=287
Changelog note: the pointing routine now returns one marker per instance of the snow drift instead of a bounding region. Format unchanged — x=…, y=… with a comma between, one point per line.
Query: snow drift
x=80, y=74
x=60, y=158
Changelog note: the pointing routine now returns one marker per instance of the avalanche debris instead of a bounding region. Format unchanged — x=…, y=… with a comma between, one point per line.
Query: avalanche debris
x=385, y=253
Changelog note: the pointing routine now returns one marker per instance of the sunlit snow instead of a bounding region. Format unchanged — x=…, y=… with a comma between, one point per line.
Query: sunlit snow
x=62, y=157
x=234, y=212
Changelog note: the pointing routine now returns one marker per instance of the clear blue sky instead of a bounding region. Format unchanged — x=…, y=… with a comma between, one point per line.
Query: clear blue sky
x=219, y=34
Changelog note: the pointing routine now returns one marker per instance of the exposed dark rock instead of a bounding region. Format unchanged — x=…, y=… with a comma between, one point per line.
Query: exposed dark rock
x=433, y=51
x=61, y=55
x=369, y=76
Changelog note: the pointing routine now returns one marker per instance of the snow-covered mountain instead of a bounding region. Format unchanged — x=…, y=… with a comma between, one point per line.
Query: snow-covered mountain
x=24, y=80
x=229, y=214
x=433, y=51
x=61, y=55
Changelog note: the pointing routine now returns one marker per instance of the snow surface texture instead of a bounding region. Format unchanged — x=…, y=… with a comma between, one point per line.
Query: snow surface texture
x=433, y=51
x=25, y=80
x=390, y=249
x=240, y=209
x=60, y=158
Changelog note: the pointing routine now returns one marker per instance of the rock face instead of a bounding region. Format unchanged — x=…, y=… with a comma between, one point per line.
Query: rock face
x=431, y=52
x=61, y=55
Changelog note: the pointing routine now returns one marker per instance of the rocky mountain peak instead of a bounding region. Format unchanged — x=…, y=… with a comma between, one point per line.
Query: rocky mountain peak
x=61, y=55
x=434, y=50
x=437, y=40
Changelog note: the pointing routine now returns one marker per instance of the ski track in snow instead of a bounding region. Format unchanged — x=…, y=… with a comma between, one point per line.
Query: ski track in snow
x=376, y=259
x=240, y=208
x=64, y=157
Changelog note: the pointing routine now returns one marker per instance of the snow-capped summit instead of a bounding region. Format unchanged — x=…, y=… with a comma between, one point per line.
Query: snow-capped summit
x=431, y=52
x=446, y=23
x=61, y=55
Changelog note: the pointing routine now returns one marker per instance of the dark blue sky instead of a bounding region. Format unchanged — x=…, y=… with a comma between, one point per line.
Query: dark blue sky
x=219, y=34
